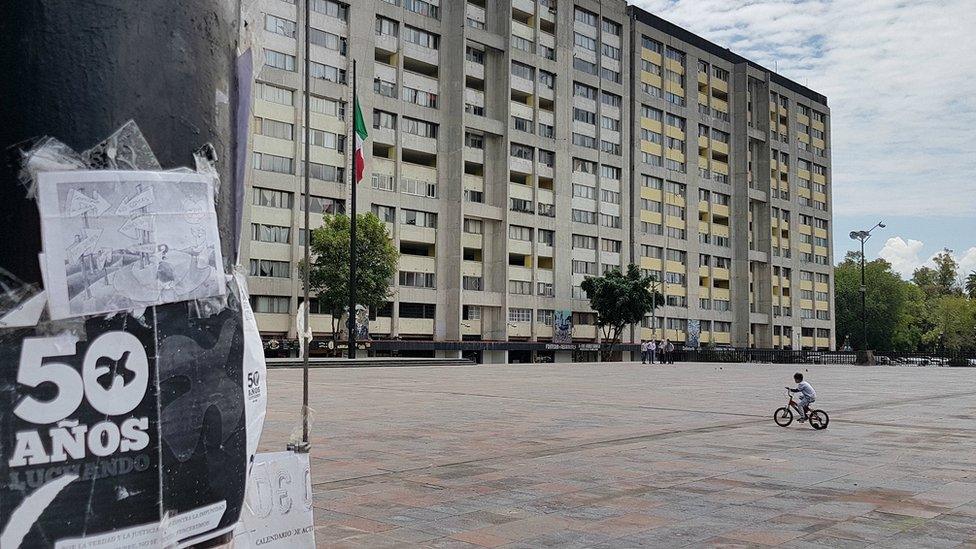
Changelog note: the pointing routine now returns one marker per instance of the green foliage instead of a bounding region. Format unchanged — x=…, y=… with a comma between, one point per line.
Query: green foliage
x=971, y=285
x=619, y=300
x=930, y=313
x=887, y=302
x=375, y=268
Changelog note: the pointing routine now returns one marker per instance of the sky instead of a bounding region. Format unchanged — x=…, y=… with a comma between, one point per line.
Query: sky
x=900, y=80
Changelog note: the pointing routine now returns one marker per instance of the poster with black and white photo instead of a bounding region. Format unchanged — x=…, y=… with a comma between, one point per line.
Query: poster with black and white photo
x=129, y=430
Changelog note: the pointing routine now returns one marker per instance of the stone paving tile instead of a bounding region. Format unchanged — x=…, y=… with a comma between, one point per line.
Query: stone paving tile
x=618, y=455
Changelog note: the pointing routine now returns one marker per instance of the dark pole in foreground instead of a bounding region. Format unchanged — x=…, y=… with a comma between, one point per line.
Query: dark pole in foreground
x=308, y=233
x=78, y=70
x=352, y=225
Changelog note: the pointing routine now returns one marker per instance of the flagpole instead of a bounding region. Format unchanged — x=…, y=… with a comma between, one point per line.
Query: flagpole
x=308, y=235
x=352, y=219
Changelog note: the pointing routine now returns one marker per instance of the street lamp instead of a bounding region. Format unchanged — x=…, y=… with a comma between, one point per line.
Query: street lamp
x=654, y=285
x=863, y=236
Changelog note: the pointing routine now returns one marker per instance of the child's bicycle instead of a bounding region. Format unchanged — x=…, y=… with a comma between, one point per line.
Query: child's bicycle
x=784, y=416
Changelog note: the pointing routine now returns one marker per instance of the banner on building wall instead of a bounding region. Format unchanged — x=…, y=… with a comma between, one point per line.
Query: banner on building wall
x=130, y=430
x=694, y=334
x=562, y=327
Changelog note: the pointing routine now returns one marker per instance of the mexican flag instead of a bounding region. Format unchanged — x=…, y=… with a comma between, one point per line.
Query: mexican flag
x=359, y=126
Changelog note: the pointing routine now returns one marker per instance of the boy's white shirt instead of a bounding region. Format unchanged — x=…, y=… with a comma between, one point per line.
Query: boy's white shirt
x=806, y=389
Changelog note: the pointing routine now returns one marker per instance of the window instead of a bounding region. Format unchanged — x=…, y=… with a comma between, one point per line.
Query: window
x=387, y=214
x=474, y=55
x=610, y=197
x=280, y=26
x=611, y=246
x=471, y=195
x=328, y=72
x=421, y=38
x=522, y=151
x=421, y=7
x=523, y=124
x=610, y=172
x=472, y=283
x=520, y=287
x=584, y=242
x=418, y=218
x=584, y=42
x=270, y=304
x=612, y=221
x=584, y=166
x=583, y=216
x=330, y=8
x=330, y=107
x=417, y=280
x=581, y=140
x=518, y=314
x=271, y=198
x=322, y=205
x=611, y=27
x=518, y=232
x=547, y=210
x=583, y=115
x=419, y=97
x=418, y=187
x=269, y=268
x=278, y=95
x=383, y=119
x=547, y=158
x=586, y=17
x=474, y=140
x=610, y=74
x=523, y=71
x=651, y=44
x=584, y=267
x=611, y=51
x=520, y=205
x=279, y=60
x=419, y=127
x=678, y=256
x=583, y=65
x=386, y=27
x=523, y=44
x=584, y=191
x=327, y=40
x=324, y=172
x=473, y=226
x=611, y=99
x=326, y=139
x=610, y=147
x=274, y=128
x=547, y=79
x=582, y=90
x=471, y=312
x=546, y=236
x=271, y=163
x=270, y=233
x=418, y=310
x=675, y=188
x=609, y=123
x=544, y=316
x=652, y=182
x=651, y=205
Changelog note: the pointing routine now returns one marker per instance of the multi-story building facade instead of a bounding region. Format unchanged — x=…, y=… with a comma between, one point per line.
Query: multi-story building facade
x=518, y=146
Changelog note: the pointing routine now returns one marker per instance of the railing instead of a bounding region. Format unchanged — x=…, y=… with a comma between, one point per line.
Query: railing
x=787, y=356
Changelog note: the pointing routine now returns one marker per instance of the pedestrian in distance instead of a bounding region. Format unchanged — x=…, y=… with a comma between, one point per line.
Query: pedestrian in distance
x=670, y=352
x=645, y=351
x=661, y=355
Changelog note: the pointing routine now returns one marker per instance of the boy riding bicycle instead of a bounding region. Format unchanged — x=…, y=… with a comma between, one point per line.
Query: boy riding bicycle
x=807, y=395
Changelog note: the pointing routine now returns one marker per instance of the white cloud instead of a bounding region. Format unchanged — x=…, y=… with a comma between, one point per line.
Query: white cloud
x=902, y=254
x=967, y=262
x=898, y=77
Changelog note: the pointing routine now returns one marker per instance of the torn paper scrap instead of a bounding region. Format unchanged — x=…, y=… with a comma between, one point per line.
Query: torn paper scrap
x=121, y=240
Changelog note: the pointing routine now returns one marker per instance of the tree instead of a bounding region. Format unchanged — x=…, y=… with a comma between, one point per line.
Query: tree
x=926, y=279
x=971, y=285
x=329, y=274
x=945, y=272
x=619, y=300
x=952, y=321
x=887, y=299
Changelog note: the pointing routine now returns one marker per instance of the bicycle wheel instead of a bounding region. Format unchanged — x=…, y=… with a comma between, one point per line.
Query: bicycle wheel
x=819, y=419
x=783, y=416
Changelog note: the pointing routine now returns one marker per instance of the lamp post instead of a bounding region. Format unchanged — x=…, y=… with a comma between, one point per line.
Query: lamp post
x=863, y=236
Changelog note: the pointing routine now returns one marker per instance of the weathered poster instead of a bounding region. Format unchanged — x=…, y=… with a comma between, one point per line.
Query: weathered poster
x=129, y=431
x=278, y=508
x=122, y=240
x=562, y=327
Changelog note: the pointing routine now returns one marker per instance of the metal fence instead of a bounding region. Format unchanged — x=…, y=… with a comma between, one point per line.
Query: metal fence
x=786, y=356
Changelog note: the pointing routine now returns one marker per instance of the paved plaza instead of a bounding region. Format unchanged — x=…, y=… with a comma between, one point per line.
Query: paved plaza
x=625, y=455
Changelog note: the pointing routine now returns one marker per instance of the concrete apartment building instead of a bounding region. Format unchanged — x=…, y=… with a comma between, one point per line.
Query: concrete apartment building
x=518, y=146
